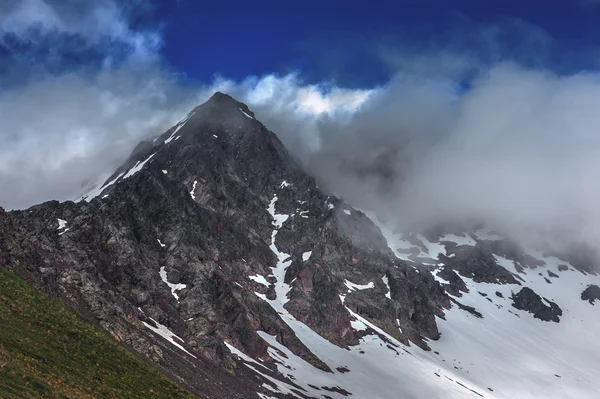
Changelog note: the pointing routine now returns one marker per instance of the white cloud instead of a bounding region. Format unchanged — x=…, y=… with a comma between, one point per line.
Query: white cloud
x=97, y=23
x=519, y=147
x=61, y=131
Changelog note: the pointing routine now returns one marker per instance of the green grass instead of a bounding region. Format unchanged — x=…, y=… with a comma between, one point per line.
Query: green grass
x=48, y=351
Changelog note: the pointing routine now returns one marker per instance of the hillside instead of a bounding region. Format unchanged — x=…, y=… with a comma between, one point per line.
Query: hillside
x=47, y=350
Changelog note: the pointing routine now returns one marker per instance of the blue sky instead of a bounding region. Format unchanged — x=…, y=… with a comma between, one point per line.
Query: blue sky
x=353, y=43
x=343, y=39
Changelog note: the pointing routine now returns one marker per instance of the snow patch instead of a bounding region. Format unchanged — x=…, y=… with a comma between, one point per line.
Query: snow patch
x=174, y=287
x=178, y=127
x=433, y=248
x=283, y=260
x=192, y=193
x=394, y=240
x=137, y=167
x=306, y=256
x=398, y=324
x=260, y=279
x=98, y=190
x=249, y=116
x=353, y=287
x=358, y=325
x=62, y=225
x=239, y=353
x=161, y=244
x=386, y=282
x=374, y=367
x=303, y=214
x=167, y=334
x=347, y=212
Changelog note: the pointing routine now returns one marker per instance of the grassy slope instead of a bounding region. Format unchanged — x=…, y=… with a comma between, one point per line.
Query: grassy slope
x=48, y=351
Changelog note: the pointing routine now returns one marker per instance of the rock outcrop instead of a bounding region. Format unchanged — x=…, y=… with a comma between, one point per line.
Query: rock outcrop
x=591, y=293
x=541, y=308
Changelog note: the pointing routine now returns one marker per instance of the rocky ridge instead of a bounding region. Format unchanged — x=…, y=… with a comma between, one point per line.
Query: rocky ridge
x=210, y=252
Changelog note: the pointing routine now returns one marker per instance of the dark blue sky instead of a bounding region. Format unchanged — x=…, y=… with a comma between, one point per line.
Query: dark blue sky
x=346, y=40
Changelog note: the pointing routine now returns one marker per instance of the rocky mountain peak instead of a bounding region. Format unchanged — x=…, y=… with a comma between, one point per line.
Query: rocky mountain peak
x=224, y=111
x=214, y=255
x=223, y=100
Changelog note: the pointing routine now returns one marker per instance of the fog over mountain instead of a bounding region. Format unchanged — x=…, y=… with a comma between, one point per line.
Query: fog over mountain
x=517, y=146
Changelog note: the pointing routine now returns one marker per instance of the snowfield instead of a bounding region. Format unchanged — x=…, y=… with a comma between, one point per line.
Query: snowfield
x=506, y=354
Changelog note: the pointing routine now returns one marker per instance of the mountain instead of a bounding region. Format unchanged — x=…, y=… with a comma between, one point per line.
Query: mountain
x=213, y=255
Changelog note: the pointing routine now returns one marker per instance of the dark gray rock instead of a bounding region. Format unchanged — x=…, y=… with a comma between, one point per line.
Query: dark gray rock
x=541, y=308
x=209, y=211
x=478, y=263
x=591, y=293
x=456, y=286
x=467, y=308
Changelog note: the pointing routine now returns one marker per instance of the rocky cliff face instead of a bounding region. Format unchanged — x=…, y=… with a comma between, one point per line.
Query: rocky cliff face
x=179, y=242
x=212, y=254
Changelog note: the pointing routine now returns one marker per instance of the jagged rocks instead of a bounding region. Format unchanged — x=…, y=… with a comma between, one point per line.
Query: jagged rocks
x=478, y=263
x=541, y=308
x=591, y=293
x=455, y=285
x=205, y=221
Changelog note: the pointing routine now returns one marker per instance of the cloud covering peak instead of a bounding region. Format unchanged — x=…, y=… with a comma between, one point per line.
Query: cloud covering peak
x=516, y=146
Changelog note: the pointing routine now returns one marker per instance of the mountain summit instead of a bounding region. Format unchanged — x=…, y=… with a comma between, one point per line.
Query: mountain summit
x=212, y=254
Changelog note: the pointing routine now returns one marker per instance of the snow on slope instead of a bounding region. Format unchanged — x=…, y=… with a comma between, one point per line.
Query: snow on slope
x=522, y=357
x=167, y=334
x=178, y=127
x=306, y=256
x=506, y=354
x=174, y=287
x=137, y=167
x=247, y=116
x=379, y=367
x=98, y=190
x=508, y=350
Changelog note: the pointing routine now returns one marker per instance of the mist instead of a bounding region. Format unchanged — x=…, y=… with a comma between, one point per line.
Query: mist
x=517, y=146
x=519, y=149
x=79, y=88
